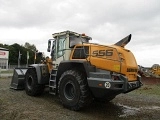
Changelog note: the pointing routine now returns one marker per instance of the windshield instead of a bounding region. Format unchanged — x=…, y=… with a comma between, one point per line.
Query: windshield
x=76, y=40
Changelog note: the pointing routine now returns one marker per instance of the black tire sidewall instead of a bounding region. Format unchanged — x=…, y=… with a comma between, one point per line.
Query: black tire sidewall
x=33, y=88
x=71, y=79
x=29, y=88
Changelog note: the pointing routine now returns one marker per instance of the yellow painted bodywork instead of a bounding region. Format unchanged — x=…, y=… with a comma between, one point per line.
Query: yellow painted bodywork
x=156, y=70
x=129, y=65
x=112, y=58
x=48, y=61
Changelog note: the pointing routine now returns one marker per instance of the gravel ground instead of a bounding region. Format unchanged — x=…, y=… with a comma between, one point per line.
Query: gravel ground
x=143, y=104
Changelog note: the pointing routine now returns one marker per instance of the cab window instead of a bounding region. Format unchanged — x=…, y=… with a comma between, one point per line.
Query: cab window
x=81, y=52
x=61, y=45
x=74, y=40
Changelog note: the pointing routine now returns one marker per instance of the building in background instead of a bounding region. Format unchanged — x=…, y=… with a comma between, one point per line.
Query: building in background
x=4, y=55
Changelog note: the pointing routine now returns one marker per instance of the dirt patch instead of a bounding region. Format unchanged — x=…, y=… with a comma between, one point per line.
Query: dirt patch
x=150, y=80
x=143, y=104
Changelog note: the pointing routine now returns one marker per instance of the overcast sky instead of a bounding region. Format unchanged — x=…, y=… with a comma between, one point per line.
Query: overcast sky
x=106, y=21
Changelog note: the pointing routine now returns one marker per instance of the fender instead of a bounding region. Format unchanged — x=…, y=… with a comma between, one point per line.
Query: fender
x=42, y=73
x=78, y=64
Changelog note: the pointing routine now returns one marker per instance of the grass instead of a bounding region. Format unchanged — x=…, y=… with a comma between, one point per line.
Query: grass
x=6, y=71
x=0, y=101
x=150, y=89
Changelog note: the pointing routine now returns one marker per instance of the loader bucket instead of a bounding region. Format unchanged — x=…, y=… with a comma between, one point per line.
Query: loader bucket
x=18, y=78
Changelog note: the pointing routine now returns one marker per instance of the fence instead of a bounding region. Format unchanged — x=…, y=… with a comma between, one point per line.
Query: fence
x=3, y=67
x=16, y=66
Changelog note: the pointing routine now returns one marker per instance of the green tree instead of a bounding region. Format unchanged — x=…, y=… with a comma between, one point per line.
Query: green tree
x=31, y=47
x=14, y=50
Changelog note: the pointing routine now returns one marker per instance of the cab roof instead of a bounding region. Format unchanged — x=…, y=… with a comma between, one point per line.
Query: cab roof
x=70, y=32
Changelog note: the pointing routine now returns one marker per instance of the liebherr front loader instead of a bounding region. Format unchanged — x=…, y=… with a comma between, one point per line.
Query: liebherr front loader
x=81, y=71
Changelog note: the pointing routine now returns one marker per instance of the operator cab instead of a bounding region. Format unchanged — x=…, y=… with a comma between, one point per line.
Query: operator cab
x=62, y=44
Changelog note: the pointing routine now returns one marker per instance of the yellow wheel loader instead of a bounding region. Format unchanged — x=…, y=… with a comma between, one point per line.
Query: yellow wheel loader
x=155, y=70
x=80, y=71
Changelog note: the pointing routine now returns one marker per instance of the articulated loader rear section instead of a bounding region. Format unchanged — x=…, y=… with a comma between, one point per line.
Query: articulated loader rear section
x=81, y=71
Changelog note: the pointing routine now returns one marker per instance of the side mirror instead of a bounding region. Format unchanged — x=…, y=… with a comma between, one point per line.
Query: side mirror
x=49, y=46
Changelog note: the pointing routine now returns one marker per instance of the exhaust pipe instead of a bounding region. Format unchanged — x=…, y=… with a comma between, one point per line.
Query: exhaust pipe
x=124, y=41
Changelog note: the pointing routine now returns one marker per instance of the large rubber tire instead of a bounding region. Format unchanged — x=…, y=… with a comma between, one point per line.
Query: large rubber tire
x=73, y=90
x=32, y=87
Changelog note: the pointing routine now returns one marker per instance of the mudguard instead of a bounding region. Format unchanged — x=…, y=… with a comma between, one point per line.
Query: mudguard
x=42, y=73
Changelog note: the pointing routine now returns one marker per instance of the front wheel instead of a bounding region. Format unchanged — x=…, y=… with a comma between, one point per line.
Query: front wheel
x=73, y=89
x=32, y=87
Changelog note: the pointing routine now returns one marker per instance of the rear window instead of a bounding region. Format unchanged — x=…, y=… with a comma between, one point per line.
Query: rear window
x=76, y=40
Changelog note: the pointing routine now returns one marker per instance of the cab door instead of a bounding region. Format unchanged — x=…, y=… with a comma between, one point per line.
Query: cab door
x=58, y=50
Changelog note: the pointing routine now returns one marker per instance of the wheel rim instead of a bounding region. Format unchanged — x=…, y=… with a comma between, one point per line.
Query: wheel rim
x=69, y=91
x=29, y=82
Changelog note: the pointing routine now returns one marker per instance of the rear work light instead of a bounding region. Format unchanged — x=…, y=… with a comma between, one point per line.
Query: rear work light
x=115, y=77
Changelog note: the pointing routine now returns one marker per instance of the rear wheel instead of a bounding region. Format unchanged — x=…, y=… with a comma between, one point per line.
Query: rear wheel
x=32, y=87
x=73, y=89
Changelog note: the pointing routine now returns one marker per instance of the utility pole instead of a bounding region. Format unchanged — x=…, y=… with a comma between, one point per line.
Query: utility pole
x=19, y=59
x=27, y=58
x=35, y=57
